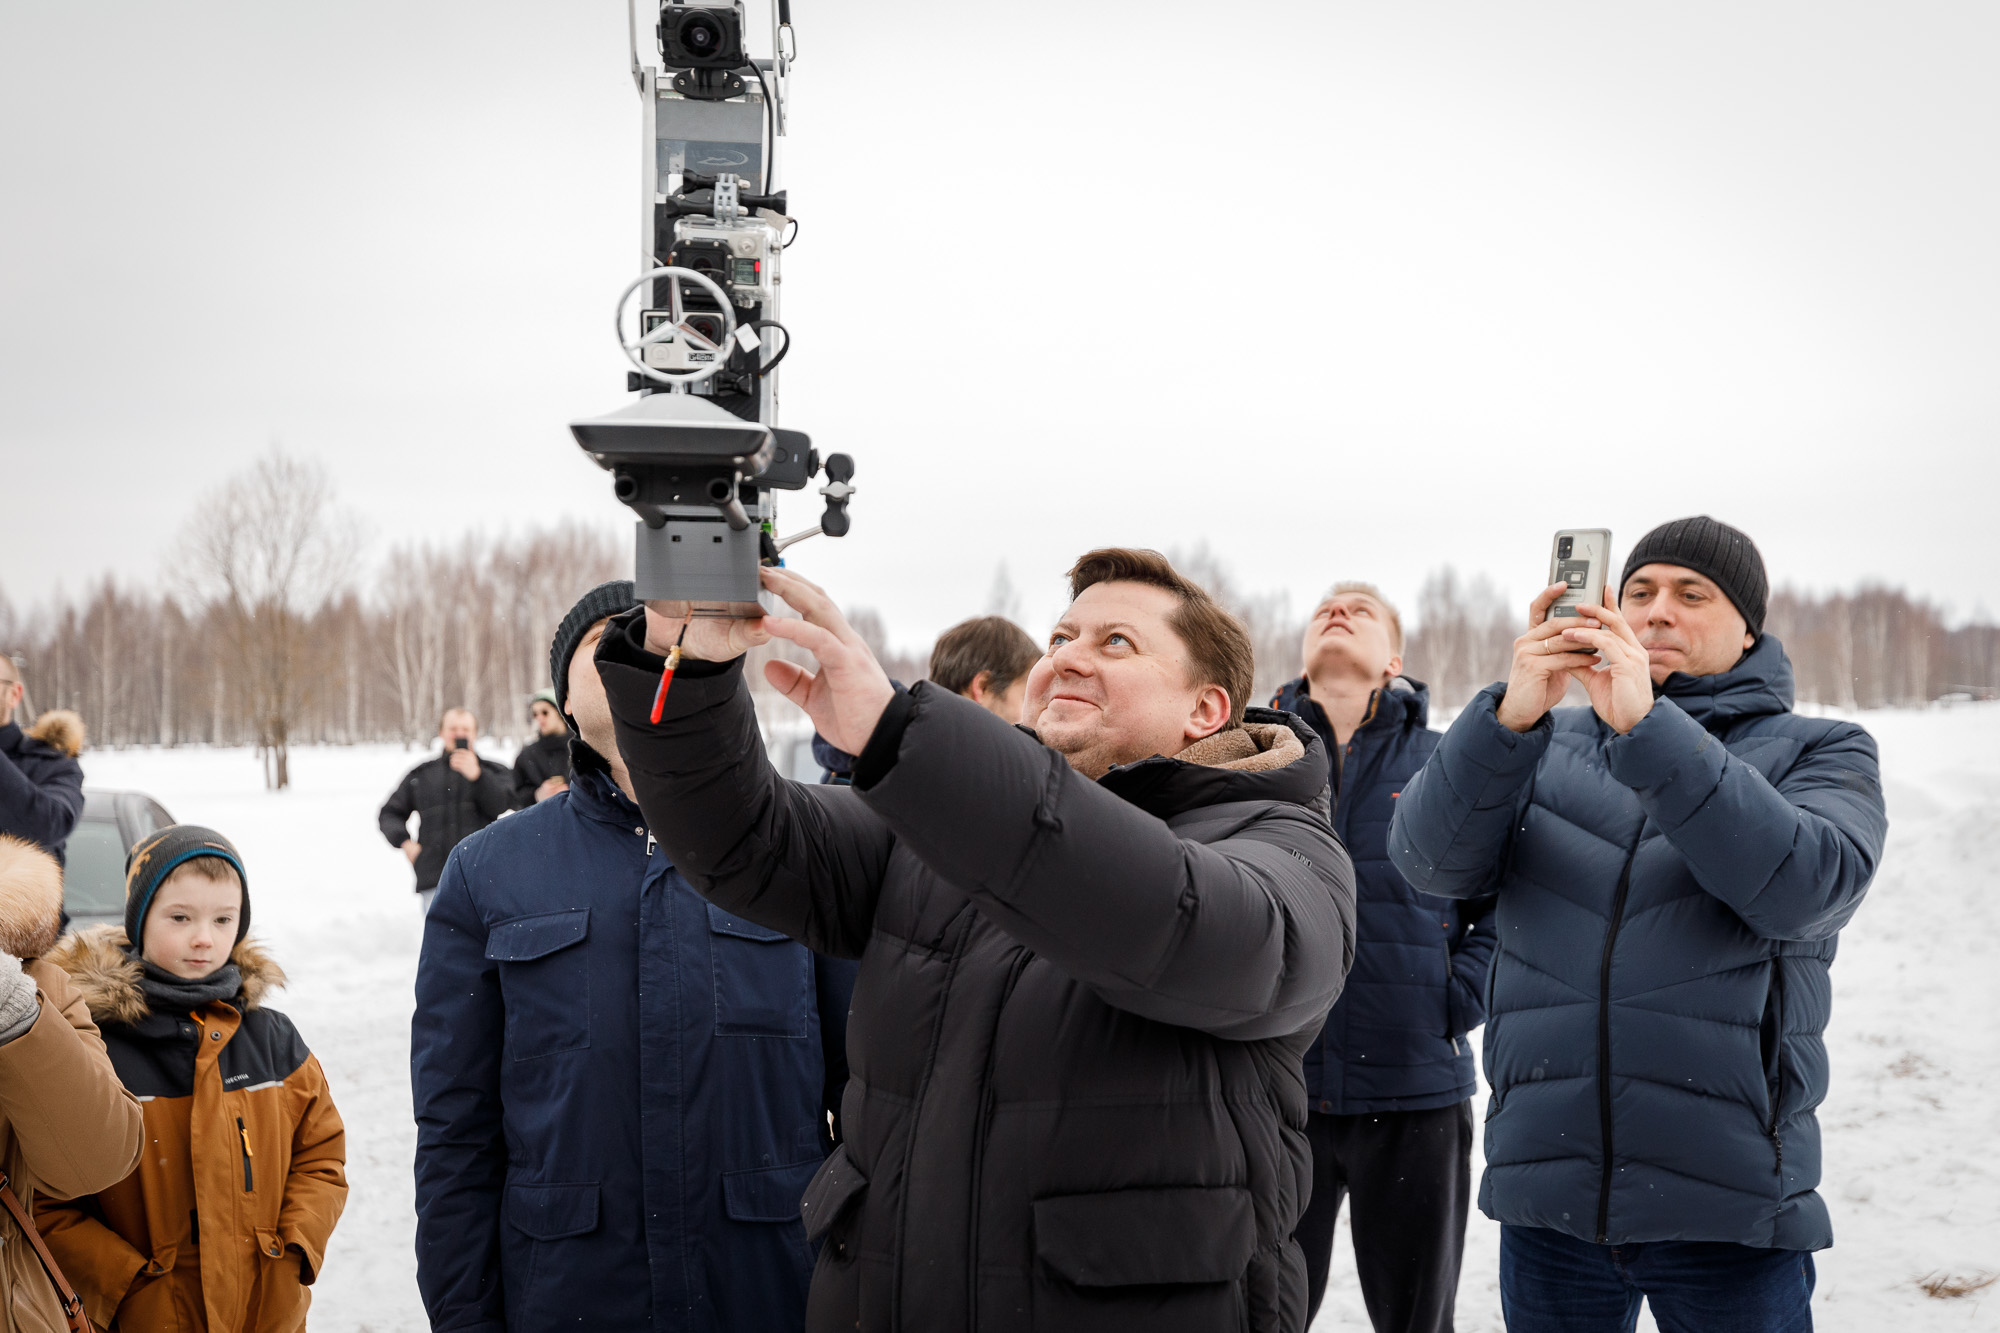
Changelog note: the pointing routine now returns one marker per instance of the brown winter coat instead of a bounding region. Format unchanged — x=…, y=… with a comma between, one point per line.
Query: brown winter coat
x=225, y=1223
x=66, y=1125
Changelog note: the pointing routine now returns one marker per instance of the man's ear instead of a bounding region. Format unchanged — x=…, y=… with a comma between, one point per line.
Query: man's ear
x=1394, y=669
x=981, y=688
x=1210, y=714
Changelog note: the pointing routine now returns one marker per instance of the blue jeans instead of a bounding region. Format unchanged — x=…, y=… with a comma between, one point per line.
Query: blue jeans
x=1552, y=1283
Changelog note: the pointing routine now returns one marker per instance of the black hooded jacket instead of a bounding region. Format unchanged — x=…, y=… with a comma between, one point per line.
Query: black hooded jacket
x=448, y=808
x=1075, y=1098
x=41, y=790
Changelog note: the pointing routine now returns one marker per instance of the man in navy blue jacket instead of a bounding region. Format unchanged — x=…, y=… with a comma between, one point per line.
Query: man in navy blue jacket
x=621, y=1090
x=1674, y=865
x=1390, y=1078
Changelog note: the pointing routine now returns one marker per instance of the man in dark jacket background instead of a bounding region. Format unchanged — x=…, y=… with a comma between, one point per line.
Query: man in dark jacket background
x=453, y=796
x=1390, y=1079
x=542, y=768
x=1674, y=865
x=41, y=786
x=621, y=1090
x=1091, y=955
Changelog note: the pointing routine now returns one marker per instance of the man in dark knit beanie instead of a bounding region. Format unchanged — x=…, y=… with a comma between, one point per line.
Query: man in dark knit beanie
x=583, y=1015
x=1673, y=866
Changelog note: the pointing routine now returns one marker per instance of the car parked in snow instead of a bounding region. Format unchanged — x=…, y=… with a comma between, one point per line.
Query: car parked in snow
x=94, y=857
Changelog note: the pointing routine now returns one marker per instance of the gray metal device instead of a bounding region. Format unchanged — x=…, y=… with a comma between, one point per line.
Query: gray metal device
x=698, y=456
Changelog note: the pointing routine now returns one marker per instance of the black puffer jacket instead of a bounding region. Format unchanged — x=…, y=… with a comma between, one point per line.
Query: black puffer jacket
x=1075, y=1098
x=448, y=808
x=540, y=759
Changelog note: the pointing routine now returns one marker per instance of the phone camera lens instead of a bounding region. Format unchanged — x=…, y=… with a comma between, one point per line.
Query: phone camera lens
x=1563, y=548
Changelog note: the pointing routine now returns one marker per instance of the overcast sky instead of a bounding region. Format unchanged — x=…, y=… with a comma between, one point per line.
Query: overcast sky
x=1342, y=290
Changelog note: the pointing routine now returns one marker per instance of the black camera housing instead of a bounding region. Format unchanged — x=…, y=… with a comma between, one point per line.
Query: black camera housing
x=701, y=37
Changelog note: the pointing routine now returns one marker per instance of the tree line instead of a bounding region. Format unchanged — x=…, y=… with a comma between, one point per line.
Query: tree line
x=263, y=631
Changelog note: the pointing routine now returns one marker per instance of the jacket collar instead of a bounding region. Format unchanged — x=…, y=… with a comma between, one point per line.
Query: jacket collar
x=594, y=795
x=1402, y=704
x=1759, y=685
x=11, y=737
x=1167, y=787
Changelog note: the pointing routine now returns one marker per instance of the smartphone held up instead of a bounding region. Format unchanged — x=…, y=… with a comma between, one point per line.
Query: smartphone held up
x=1581, y=559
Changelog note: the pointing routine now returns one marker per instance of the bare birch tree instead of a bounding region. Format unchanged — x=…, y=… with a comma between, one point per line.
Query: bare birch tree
x=270, y=548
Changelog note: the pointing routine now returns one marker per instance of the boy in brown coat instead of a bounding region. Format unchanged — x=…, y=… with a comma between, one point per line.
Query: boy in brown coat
x=224, y=1224
x=66, y=1126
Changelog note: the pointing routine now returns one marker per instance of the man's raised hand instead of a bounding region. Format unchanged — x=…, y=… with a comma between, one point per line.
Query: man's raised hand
x=1621, y=690
x=1543, y=661
x=709, y=638
x=848, y=695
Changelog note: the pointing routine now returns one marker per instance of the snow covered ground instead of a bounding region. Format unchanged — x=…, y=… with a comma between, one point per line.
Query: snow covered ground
x=1911, y=1126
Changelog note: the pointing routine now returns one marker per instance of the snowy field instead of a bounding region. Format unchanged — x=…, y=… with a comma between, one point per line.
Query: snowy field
x=1912, y=1124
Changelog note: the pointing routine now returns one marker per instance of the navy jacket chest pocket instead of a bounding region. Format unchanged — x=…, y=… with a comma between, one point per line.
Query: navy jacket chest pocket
x=544, y=981
x=763, y=981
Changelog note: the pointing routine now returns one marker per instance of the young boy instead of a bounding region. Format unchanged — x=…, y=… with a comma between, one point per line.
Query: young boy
x=225, y=1222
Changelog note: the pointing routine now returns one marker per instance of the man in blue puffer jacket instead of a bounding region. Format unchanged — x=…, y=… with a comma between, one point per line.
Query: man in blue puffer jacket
x=1389, y=1079
x=1674, y=865
x=621, y=1089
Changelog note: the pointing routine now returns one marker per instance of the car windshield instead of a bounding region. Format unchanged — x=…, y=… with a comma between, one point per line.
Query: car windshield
x=94, y=870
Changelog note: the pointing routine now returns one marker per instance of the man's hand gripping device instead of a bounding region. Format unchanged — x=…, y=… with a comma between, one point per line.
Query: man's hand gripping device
x=699, y=455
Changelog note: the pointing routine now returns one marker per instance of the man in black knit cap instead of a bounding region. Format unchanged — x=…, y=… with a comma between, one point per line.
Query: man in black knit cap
x=1673, y=866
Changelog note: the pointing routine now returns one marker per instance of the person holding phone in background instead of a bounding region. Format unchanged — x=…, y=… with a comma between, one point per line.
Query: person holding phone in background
x=1673, y=866
x=453, y=797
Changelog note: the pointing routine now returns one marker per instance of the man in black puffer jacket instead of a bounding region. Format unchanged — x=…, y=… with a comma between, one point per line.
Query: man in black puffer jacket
x=453, y=797
x=1090, y=962
x=1674, y=865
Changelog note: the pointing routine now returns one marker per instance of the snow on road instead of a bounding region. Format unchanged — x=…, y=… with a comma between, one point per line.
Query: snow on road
x=1911, y=1124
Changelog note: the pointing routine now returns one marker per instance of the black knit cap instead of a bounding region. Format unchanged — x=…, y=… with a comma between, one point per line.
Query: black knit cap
x=606, y=599
x=154, y=858
x=1710, y=548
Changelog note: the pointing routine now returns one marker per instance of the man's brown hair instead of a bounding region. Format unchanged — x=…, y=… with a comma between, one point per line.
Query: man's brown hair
x=993, y=644
x=1218, y=646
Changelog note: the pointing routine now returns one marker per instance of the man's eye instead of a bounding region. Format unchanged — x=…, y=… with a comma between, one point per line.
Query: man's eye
x=1057, y=640
x=1119, y=638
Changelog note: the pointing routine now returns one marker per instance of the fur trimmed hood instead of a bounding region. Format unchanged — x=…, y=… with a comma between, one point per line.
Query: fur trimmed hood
x=59, y=729
x=108, y=977
x=31, y=889
x=1254, y=747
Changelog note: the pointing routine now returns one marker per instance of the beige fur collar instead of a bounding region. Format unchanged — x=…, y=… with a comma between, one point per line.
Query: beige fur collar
x=108, y=977
x=1254, y=747
x=30, y=898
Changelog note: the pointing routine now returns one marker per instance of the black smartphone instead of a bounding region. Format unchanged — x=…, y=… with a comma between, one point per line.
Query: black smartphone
x=461, y=743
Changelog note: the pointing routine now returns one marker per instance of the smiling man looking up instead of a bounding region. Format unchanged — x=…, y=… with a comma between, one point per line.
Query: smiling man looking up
x=1673, y=867
x=1091, y=953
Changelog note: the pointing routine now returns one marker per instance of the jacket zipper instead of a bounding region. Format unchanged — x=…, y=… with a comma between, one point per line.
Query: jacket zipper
x=1778, y=1089
x=916, y=1113
x=244, y=1135
x=1604, y=1044
x=980, y=1133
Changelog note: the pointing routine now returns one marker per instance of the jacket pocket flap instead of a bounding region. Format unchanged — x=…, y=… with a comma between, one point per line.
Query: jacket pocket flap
x=722, y=923
x=1133, y=1237
x=551, y=1212
x=767, y=1193
x=838, y=1184
x=528, y=937
x=268, y=1243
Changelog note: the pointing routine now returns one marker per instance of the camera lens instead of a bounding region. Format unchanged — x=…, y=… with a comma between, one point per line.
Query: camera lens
x=700, y=36
x=1564, y=547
